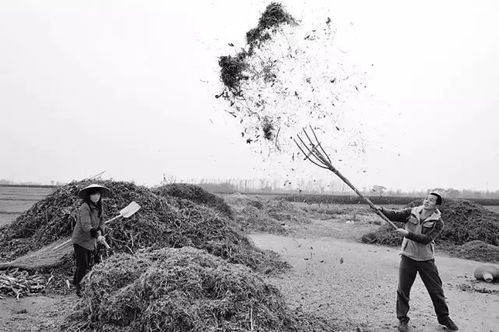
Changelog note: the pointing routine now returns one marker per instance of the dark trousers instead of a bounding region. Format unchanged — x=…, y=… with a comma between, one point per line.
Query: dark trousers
x=84, y=260
x=429, y=274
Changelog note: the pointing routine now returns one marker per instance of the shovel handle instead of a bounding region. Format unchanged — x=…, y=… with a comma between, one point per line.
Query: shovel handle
x=113, y=218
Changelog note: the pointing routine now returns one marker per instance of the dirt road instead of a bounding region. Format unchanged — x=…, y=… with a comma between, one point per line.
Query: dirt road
x=33, y=313
x=355, y=283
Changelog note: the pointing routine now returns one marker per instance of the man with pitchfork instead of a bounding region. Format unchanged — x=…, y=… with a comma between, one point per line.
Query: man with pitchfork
x=422, y=225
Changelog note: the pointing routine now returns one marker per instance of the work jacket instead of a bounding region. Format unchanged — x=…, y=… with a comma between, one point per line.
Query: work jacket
x=87, y=219
x=419, y=243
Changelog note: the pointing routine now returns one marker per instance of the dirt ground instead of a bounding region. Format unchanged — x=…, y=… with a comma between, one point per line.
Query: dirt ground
x=33, y=313
x=354, y=284
x=334, y=276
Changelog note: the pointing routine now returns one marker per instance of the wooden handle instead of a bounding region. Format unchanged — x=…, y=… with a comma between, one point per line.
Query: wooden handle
x=348, y=183
x=114, y=218
x=104, y=242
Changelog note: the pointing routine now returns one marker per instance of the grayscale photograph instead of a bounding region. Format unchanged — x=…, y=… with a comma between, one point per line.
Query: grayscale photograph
x=249, y=166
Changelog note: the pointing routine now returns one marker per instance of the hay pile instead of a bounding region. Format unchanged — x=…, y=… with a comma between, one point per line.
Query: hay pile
x=467, y=221
x=477, y=250
x=177, y=290
x=195, y=194
x=464, y=222
x=255, y=214
x=161, y=222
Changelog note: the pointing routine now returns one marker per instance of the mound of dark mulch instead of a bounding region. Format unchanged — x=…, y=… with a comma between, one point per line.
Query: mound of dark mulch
x=254, y=214
x=161, y=222
x=177, y=290
x=384, y=235
x=477, y=250
x=464, y=221
x=195, y=194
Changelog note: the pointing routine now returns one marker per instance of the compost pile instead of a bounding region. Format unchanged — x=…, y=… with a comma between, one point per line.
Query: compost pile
x=465, y=223
x=254, y=214
x=177, y=290
x=161, y=222
x=195, y=194
x=477, y=250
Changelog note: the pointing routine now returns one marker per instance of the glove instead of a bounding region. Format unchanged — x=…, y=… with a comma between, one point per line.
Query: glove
x=101, y=239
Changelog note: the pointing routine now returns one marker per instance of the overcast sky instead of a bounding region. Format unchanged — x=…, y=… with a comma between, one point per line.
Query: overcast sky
x=128, y=87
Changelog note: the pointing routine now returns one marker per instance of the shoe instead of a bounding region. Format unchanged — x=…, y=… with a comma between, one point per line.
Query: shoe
x=403, y=326
x=449, y=324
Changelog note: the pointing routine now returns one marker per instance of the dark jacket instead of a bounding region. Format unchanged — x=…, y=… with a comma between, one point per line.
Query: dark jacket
x=87, y=224
x=419, y=243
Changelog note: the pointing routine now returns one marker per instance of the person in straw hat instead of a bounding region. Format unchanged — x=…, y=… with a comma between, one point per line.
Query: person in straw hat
x=88, y=230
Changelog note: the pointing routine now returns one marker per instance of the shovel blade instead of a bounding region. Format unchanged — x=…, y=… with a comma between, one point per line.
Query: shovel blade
x=129, y=210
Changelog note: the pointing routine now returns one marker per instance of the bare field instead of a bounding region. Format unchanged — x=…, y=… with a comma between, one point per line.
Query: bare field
x=493, y=208
x=14, y=200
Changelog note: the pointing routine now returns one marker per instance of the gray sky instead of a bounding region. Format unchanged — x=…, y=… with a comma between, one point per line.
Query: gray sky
x=128, y=87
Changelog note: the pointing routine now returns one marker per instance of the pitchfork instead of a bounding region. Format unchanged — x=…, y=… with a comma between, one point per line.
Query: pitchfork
x=314, y=152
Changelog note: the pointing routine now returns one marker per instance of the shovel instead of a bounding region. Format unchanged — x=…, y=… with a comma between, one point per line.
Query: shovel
x=126, y=212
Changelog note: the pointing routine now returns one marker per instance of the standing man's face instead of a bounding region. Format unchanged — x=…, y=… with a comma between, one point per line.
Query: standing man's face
x=430, y=202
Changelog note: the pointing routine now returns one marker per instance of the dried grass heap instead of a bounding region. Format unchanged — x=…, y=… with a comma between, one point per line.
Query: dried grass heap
x=254, y=214
x=177, y=290
x=195, y=194
x=162, y=221
x=477, y=250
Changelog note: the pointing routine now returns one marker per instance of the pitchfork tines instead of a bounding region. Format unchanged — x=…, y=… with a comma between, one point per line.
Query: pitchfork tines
x=313, y=150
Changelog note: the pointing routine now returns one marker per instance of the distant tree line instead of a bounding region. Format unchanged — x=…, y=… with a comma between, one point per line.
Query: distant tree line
x=279, y=186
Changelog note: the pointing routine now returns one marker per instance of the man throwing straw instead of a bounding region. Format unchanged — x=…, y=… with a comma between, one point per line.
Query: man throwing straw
x=422, y=225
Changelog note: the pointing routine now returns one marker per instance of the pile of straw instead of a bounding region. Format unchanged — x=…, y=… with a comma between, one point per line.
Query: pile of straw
x=162, y=221
x=177, y=290
x=274, y=216
x=195, y=194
